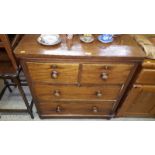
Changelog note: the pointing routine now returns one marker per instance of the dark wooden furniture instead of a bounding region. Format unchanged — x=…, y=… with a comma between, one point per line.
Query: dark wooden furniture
x=87, y=80
x=10, y=70
x=140, y=101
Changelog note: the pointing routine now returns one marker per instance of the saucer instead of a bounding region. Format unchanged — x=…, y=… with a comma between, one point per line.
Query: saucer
x=87, y=39
x=49, y=39
x=104, y=41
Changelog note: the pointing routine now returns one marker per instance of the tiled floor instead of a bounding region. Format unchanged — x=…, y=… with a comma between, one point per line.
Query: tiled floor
x=13, y=100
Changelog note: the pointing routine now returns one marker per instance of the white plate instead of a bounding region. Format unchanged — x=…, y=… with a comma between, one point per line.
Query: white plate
x=86, y=40
x=49, y=39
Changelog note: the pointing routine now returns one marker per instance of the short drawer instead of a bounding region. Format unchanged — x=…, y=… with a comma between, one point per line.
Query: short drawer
x=53, y=72
x=146, y=76
x=105, y=73
x=75, y=109
x=55, y=92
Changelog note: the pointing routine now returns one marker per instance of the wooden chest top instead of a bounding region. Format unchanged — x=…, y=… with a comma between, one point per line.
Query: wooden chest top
x=123, y=46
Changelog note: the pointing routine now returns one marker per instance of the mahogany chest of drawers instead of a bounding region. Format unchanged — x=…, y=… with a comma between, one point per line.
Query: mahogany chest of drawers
x=87, y=81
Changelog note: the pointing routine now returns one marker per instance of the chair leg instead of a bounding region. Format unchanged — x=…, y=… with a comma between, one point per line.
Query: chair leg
x=31, y=105
x=2, y=92
x=7, y=85
x=24, y=97
x=13, y=83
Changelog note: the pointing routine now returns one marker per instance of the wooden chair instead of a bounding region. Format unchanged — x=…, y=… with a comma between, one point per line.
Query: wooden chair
x=10, y=70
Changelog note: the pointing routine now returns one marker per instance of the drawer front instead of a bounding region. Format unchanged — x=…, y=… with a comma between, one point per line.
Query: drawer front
x=75, y=109
x=105, y=73
x=53, y=72
x=74, y=92
x=148, y=64
x=146, y=76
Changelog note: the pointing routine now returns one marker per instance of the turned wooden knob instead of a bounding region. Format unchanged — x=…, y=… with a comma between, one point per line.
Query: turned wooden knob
x=99, y=94
x=54, y=74
x=56, y=93
x=95, y=109
x=104, y=76
x=135, y=86
x=58, y=109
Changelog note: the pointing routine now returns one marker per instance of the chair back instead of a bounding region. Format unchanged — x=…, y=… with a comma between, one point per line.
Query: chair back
x=7, y=59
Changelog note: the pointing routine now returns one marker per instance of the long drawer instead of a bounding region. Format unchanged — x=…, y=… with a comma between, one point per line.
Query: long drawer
x=67, y=92
x=105, y=73
x=53, y=72
x=75, y=109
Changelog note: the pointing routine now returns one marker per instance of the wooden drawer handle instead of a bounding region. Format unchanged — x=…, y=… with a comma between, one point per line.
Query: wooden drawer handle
x=57, y=93
x=54, y=74
x=104, y=76
x=94, y=109
x=58, y=109
x=99, y=94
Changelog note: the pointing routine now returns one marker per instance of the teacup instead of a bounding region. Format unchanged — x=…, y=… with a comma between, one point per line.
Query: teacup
x=107, y=37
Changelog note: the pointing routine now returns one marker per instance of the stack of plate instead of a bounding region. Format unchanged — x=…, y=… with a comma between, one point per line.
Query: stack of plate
x=49, y=39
